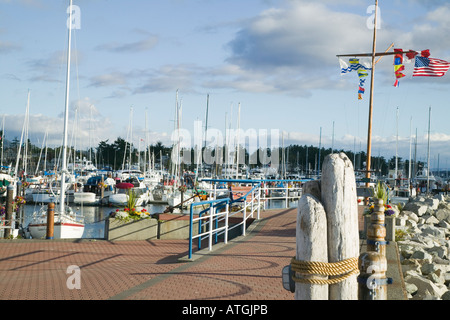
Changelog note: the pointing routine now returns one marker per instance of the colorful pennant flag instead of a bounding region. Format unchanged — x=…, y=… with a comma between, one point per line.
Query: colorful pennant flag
x=361, y=66
x=398, y=66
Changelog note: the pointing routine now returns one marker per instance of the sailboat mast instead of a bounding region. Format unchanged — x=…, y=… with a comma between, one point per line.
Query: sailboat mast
x=428, y=152
x=237, y=140
x=396, y=149
x=369, y=134
x=66, y=113
x=410, y=151
x=2, y=137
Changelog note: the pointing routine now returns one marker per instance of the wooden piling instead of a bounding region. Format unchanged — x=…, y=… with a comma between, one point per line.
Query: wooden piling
x=50, y=220
x=102, y=189
x=338, y=196
x=9, y=210
x=311, y=235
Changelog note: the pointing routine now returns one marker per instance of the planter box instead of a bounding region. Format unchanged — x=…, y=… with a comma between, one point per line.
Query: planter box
x=175, y=227
x=145, y=229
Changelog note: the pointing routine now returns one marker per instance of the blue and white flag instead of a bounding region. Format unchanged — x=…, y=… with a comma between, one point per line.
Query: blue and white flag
x=353, y=64
x=361, y=66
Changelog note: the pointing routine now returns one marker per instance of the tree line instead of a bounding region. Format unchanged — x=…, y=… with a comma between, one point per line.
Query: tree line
x=114, y=155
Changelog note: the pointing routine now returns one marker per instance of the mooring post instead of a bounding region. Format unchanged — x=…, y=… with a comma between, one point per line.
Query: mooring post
x=50, y=220
x=376, y=231
x=102, y=189
x=372, y=281
x=9, y=210
x=338, y=191
x=311, y=233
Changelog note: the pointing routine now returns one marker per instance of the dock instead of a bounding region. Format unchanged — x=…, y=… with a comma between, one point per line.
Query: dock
x=247, y=268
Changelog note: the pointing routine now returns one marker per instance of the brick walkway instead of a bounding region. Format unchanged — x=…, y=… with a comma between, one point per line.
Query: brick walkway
x=248, y=268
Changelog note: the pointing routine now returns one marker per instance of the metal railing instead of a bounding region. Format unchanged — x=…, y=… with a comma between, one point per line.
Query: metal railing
x=6, y=224
x=244, y=201
x=213, y=221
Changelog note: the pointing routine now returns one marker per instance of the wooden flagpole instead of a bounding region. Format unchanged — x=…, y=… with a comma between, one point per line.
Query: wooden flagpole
x=369, y=133
x=373, y=55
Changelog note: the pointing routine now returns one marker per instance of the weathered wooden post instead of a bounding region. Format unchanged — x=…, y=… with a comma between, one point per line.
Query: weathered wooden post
x=50, y=220
x=9, y=210
x=311, y=247
x=326, y=263
x=376, y=231
x=102, y=189
x=338, y=190
x=372, y=280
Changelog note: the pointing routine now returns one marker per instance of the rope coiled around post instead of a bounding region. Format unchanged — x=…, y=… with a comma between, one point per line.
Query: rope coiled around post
x=339, y=270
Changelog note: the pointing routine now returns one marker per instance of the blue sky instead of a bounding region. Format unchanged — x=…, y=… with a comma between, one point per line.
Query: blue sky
x=276, y=58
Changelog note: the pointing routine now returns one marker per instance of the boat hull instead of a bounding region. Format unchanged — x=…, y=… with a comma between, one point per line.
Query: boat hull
x=62, y=230
x=84, y=198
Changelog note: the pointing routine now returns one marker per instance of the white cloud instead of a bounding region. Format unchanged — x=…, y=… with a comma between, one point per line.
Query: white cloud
x=132, y=47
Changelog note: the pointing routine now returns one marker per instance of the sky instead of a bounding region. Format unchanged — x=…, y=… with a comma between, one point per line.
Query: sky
x=267, y=66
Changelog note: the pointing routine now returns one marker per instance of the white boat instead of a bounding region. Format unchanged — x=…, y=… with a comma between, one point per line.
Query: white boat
x=120, y=198
x=160, y=194
x=84, y=198
x=67, y=223
x=175, y=199
x=401, y=195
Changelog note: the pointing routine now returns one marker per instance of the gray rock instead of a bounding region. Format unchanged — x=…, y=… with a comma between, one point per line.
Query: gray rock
x=432, y=203
x=431, y=220
x=432, y=230
x=421, y=255
x=446, y=296
x=425, y=286
x=411, y=288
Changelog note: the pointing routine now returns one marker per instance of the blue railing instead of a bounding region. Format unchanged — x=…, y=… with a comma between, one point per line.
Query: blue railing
x=213, y=221
x=213, y=216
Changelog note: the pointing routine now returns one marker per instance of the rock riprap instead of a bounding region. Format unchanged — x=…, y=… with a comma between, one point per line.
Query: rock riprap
x=423, y=233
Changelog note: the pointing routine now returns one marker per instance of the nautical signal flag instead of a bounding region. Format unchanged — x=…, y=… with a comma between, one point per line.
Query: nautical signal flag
x=424, y=66
x=361, y=66
x=398, y=66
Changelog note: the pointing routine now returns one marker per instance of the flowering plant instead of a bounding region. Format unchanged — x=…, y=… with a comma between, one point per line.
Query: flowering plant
x=182, y=188
x=18, y=202
x=102, y=185
x=388, y=210
x=128, y=214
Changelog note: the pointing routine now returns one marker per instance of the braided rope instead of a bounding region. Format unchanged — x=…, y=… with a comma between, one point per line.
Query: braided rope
x=340, y=270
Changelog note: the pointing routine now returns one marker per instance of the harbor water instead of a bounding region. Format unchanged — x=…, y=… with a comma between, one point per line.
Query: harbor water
x=94, y=216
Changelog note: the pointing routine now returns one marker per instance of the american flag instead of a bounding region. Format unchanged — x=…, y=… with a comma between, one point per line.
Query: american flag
x=430, y=67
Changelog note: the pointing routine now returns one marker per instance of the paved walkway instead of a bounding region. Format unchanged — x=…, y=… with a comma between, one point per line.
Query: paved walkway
x=248, y=268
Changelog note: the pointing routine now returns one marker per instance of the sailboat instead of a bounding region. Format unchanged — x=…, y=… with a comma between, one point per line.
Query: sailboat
x=67, y=223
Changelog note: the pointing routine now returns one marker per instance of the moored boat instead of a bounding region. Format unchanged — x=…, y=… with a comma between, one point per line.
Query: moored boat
x=69, y=225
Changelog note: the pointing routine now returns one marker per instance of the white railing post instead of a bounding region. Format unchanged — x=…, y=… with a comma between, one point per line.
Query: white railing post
x=259, y=201
x=210, y=227
x=244, y=221
x=253, y=201
x=227, y=207
x=287, y=195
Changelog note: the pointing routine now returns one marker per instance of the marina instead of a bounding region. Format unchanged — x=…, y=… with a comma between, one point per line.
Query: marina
x=145, y=169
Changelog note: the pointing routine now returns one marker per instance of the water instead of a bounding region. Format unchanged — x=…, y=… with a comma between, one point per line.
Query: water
x=94, y=216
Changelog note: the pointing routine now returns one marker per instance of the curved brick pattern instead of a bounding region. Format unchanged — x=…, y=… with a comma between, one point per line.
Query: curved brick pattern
x=247, y=268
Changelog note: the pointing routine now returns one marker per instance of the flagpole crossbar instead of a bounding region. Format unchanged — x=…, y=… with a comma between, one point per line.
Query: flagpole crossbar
x=377, y=54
